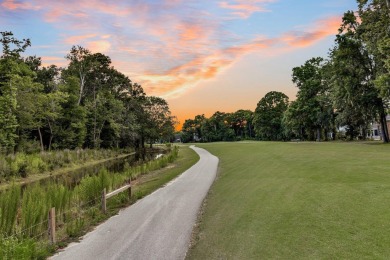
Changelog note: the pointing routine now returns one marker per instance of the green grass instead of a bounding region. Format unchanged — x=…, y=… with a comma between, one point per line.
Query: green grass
x=149, y=183
x=297, y=201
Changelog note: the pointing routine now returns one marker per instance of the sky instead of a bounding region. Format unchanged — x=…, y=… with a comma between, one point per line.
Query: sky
x=202, y=56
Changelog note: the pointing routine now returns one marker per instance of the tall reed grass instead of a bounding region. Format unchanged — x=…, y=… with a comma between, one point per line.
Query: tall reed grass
x=23, y=165
x=9, y=204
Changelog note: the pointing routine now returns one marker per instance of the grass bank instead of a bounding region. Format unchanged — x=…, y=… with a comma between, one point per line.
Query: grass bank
x=66, y=169
x=23, y=168
x=297, y=201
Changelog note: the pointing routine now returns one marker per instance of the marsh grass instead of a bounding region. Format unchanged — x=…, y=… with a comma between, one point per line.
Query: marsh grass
x=33, y=217
x=9, y=204
x=21, y=165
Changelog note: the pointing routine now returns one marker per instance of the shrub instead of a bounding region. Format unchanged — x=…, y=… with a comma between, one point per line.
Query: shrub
x=15, y=248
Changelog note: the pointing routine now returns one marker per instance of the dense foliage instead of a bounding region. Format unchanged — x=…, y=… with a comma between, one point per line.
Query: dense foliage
x=340, y=96
x=88, y=104
x=219, y=127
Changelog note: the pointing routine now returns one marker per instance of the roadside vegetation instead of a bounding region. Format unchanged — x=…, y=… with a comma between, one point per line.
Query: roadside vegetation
x=293, y=200
x=23, y=213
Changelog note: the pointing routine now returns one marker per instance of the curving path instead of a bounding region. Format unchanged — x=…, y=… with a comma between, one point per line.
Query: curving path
x=156, y=227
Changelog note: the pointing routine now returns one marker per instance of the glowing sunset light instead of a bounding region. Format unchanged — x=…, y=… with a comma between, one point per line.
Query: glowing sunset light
x=201, y=56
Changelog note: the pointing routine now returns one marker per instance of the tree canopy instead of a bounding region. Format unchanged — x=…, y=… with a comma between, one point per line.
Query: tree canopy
x=87, y=104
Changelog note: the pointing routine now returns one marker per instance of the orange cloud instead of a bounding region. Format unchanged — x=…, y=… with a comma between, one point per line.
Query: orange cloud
x=190, y=32
x=13, y=5
x=77, y=39
x=322, y=29
x=50, y=60
x=167, y=53
x=178, y=79
x=99, y=46
x=245, y=8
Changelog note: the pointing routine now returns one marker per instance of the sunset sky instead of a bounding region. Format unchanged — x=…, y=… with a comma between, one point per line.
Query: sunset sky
x=202, y=56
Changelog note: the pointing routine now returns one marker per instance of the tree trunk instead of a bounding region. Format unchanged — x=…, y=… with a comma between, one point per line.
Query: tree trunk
x=385, y=131
x=364, y=133
x=318, y=134
x=95, y=116
x=301, y=133
x=51, y=134
x=82, y=83
x=40, y=139
x=97, y=141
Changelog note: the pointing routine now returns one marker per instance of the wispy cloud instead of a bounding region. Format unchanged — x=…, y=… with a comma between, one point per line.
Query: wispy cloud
x=167, y=45
x=173, y=82
x=245, y=8
x=99, y=46
x=322, y=28
x=15, y=5
x=77, y=39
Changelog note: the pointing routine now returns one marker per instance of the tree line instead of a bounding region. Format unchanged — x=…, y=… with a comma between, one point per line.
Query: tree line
x=88, y=104
x=350, y=89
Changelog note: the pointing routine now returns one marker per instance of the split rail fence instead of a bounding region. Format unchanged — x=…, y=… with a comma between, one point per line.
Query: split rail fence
x=105, y=196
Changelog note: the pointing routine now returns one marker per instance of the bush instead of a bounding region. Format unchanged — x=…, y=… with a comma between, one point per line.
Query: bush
x=14, y=248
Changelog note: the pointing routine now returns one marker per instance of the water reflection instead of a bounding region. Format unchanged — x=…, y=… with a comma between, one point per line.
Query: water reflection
x=73, y=177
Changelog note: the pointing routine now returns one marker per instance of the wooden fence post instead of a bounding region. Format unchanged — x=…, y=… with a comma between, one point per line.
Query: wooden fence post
x=104, y=201
x=52, y=225
x=130, y=188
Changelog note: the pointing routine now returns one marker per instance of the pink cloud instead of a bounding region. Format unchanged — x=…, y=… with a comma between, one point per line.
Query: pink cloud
x=99, y=46
x=77, y=39
x=14, y=5
x=179, y=78
x=245, y=8
x=322, y=28
x=167, y=53
x=53, y=60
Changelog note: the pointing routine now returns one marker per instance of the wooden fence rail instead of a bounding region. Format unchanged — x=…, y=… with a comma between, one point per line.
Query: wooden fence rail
x=106, y=196
x=52, y=212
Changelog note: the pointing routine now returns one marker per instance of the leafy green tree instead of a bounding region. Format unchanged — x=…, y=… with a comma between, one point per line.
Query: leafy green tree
x=294, y=120
x=192, y=129
x=188, y=131
x=268, y=116
x=80, y=63
x=312, y=112
x=357, y=101
x=71, y=127
x=374, y=16
x=107, y=117
x=160, y=124
x=241, y=123
x=12, y=73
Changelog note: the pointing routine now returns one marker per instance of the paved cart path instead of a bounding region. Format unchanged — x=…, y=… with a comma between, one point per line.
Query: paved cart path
x=157, y=227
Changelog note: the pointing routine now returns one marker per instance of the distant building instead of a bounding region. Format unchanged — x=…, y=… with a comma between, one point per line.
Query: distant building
x=375, y=131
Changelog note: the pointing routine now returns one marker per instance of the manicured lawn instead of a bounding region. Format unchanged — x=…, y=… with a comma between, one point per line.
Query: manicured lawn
x=297, y=201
